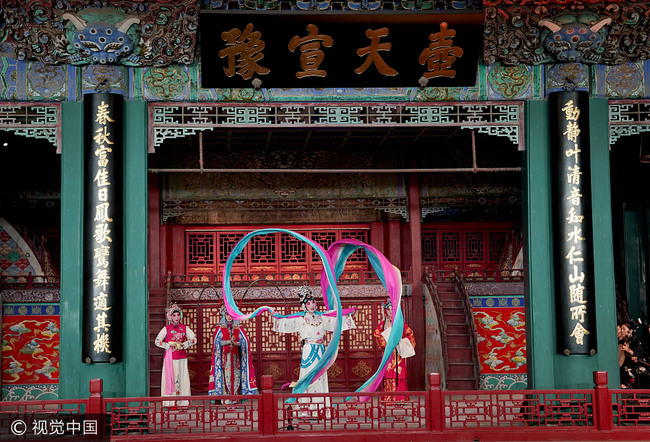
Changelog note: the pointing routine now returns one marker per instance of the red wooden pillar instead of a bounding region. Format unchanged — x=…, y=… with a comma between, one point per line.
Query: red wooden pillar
x=436, y=416
x=416, y=369
x=96, y=400
x=268, y=413
x=154, y=274
x=603, y=402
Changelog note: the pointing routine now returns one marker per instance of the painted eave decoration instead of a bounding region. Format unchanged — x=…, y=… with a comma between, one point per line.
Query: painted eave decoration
x=566, y=31
x=130, y=33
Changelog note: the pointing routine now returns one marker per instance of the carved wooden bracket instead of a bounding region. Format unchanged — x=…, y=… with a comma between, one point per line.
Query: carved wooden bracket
x=130, y=33
x=546, y=31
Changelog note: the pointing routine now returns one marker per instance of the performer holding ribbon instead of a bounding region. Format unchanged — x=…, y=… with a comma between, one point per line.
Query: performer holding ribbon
x=231, y=371
x=175, y=338
x=333, y=265
x=395, y=375
x=311, y=325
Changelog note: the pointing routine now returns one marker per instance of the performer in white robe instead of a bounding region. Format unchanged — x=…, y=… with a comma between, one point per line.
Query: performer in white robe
x=311, y=328
x=175, y=338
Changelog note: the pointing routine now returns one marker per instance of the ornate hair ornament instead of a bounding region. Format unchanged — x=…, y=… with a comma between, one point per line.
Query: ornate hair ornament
x=305, y=294
x=171, y=310
x=223, y=321
x=387, y=304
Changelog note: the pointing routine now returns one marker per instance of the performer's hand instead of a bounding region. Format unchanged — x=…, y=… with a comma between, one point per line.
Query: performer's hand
x=237, y=343
x=225, y=342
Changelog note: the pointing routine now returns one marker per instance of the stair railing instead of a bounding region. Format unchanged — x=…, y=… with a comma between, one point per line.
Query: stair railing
x=473, y=337
x=432, y=289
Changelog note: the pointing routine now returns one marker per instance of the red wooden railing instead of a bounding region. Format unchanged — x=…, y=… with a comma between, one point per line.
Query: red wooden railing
x=478, y=275
x=361, y=277
x=590, y=414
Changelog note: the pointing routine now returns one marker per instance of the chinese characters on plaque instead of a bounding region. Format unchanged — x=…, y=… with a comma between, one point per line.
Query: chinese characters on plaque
x=339, y=50
x=572, y=223
x=102, y=332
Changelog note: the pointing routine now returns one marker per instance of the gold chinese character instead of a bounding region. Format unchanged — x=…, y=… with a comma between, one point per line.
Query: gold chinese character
x=574, y=196
x=102, y=114
x=573, y=152
x=578, y=333
x=573, y=218
x=243, y=52
x=373, y=53
x=576, y=277
x=572, y=131
x=101, y=177
x=101, y=279
x=574, y=176
x=440, y=54
x=575, y=235
x=101, y=137
x=101, y=344
x=576, y=292
x=311, y=54
x=101, y=302
x=574, y=255
x=570, y=111
x=101, y=253
x=101, y=213
x=101, y=322
x=102, y=194
x=578, y=313
x=101, y=233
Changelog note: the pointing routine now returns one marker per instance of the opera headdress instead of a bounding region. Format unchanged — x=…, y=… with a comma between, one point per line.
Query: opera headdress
x=171, y=310
x=305, y=294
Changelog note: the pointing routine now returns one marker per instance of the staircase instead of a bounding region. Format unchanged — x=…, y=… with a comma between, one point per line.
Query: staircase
x=462, y=355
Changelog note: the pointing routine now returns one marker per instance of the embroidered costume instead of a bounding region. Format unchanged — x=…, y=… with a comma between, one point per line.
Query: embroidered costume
x=311, y=328
x=395, y=375
x=175, y=338
x=231, y=371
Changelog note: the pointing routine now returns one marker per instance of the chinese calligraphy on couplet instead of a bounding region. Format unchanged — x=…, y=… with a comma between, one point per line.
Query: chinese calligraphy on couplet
x=102, y=228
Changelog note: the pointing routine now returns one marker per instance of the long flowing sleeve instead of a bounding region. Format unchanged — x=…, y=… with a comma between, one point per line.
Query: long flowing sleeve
x=329, y=322
x=288, y=325
x=160, y=339
x=191, y=338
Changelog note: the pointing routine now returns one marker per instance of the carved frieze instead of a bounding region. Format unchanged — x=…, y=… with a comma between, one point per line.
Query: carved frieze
x=78, y=32
x=548, y=31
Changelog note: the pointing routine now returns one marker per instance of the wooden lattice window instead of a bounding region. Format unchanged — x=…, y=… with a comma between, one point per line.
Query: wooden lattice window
x=200, y=252
x=358, y=259
x=496, y=242
x=293, y=253
x=227, y=242
x=429, y=247
x=263, y=256
x=325, y=239
x=474, y=247
x=450, y=247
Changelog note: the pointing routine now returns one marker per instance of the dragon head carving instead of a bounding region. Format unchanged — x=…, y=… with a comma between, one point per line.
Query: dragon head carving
x=101, y=39
x=574, y=39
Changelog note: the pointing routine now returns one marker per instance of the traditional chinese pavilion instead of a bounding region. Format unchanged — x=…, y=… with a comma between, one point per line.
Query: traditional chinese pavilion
x=493, y=150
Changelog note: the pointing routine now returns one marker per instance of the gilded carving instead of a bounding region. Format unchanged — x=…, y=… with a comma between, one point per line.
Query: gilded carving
x=362, y=370
x=274, y=370
x=334, y=371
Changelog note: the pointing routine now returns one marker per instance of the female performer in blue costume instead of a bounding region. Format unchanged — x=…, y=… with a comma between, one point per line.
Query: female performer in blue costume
x=231, y=371
x=311, y=328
